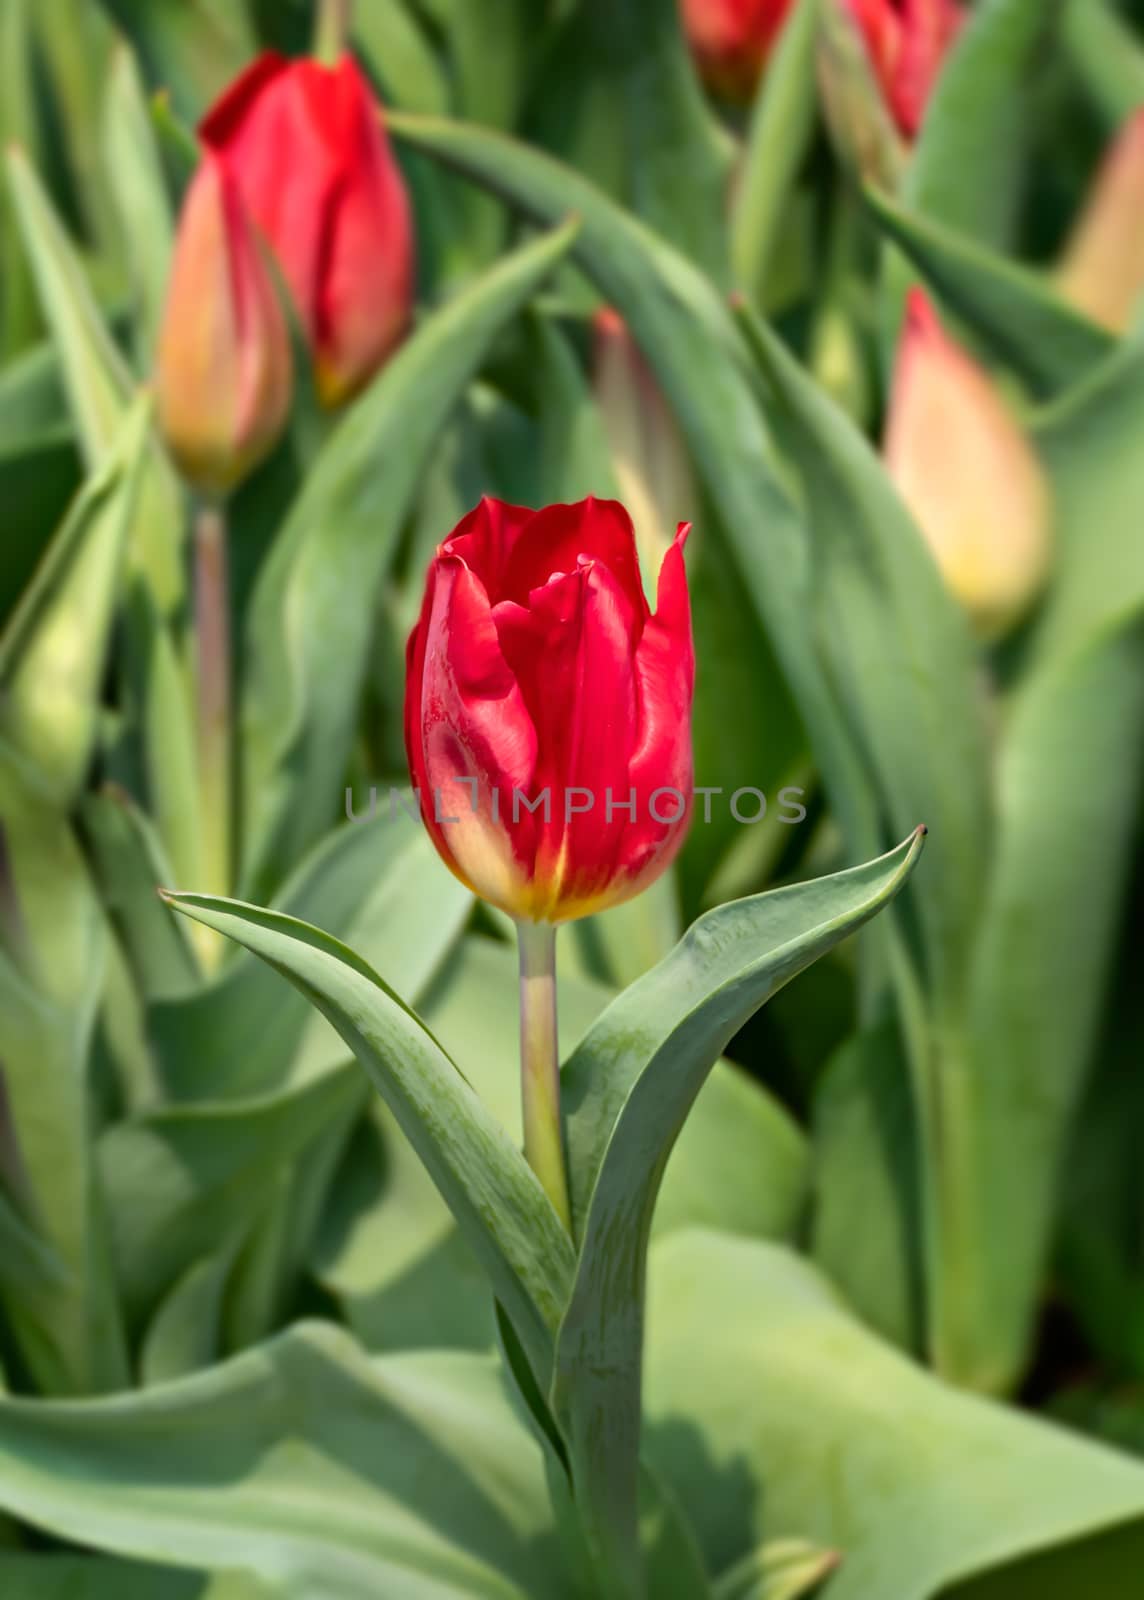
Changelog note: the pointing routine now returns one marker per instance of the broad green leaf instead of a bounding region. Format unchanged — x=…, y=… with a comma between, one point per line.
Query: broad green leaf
x=865, y=1151
x=184, y=1180
x=1089, y=443
x=69, y=1577
x=967, y=168
x=311, y=616
x=194, y=52
x=99, y=385
x=621, y=102
x=967, y=165
x=51, y=973
x=20, y=122
x=697, y=356
x=310, y=1468
x=129, y=866
x=782, y=1570
x=1013, y=311
x=380, y=887
x=497, y=1201
x=395, y=47
x=1070, y=786
x=53, y=653
x=782, y=124
x=899, y=652
x=630, y=1086
x=1107, y=52
x=773, y=1414
x=135, y=173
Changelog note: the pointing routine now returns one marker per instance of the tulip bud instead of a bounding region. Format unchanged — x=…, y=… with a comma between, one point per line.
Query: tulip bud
x=648, y=453
x=223, y=375
x=878, y=63
x=1103, y=271
x=306, y=145
x=731, y=41
x=968, y=474
x=548, y=711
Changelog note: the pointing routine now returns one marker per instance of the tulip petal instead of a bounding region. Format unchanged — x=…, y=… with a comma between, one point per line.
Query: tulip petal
x=485, y=537
x=559, y=537
x=477, y=738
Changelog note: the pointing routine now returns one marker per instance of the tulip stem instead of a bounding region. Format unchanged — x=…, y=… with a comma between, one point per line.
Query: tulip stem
x=332, y=34
x=540, y=1063
x=213, y=688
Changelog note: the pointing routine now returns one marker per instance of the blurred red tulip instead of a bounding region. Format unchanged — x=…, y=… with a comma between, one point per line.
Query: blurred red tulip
x=731, y=40
x=307, y=147
x=906, y=41
x=538, y=674
x=1103, y=270
x=968, y=473
x=223, y=374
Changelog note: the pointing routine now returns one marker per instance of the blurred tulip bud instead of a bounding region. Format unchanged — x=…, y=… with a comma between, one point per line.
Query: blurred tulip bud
x=648, y=453
x=968, y=474
x=223, y=375
x=306, y=145
x=731, y=40
x=548, y=711
x=1103, y=270
x=878, y=63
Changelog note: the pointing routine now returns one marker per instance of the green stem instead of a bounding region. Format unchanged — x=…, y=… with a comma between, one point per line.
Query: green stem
x=540, y=1063
x=213, y=691
x=332, y=33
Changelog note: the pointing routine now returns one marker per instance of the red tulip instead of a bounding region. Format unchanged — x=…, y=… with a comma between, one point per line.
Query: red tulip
x=223, y=373
x=537, y=677
x=731, y=40
x=906, y=41
x=307, y=147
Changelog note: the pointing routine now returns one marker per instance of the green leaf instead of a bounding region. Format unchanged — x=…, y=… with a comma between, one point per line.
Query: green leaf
x=898, y=650
x=99, y=385
x=497, y=1201
x=621, y=103
x=629, y=1088
x=785, y=1569
x=54, y=651
x=311, y=1468
x=378, y=886
x=800, y=1424
x=181, y=1180
x=60, y=1577
x=1014, y=312
x=312, y=613
x=51, y=974
x=135, y=172
x=1106, y=50
x=779, y=137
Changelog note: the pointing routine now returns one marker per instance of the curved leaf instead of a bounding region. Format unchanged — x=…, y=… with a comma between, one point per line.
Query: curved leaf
x=630, y=1086
x=499, y=1205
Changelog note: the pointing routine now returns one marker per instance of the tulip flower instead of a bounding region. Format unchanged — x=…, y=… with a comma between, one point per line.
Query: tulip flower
x=968, y=473
x=1103, y=270
x=306, y=145
x=731, y=41
x=548, y=729
x=223, y=375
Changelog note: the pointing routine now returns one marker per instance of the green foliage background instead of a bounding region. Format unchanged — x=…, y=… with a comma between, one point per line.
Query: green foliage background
x=876, y=1329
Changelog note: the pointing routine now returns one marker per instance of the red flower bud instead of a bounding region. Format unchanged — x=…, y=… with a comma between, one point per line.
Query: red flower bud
x=537, y=674
x=731, y=40
x=307, y=147
x=223, y=373
x=906, y=41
